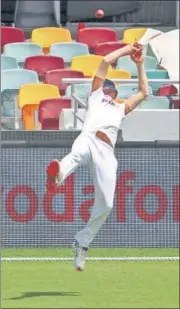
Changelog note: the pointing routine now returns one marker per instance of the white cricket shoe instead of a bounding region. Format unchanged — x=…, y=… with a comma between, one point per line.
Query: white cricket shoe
x=79, y=256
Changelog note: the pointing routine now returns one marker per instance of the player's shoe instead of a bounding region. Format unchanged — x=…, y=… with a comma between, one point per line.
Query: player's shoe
x=53, y=175
x=79, y=256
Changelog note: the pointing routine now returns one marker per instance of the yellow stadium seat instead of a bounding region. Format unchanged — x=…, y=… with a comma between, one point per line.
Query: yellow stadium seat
x=120, y=101
x=118, y=74
x=50, y=35
x=29, y=98
x=88, y=64
x=133, y=34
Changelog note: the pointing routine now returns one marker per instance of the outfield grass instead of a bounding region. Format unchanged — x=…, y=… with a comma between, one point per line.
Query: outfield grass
x=103, y=284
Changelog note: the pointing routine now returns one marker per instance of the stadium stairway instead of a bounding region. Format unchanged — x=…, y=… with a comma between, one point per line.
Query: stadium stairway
x=40, y=14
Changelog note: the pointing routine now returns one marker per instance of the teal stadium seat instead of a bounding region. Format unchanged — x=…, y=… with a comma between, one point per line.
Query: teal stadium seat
x=12, y=80
x=150, y=63
x=21, y=51
x=8, y=63
x=127, y=90
x=155, y=102
x=157, y=74
x=68, y=50
x=125, y=63
x=124, y=91
x=81, y=90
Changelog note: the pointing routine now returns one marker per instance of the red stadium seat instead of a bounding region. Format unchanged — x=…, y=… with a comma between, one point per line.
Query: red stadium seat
x=175, y=103
x=42, y=64
x=54, y=77
x=167, y=90
x=170, y=91
x=11, y=35
x=103, y=49
x=49, y=111
x=94, y=36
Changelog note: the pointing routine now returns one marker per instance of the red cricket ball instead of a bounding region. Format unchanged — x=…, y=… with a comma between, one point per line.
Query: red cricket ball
x=99, y=13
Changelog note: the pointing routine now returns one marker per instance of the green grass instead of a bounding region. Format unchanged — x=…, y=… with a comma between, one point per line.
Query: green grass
x=103, y=284
x=59, y=252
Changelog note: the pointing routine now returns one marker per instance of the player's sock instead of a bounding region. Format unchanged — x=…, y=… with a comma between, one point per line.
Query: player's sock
x=79, y=256
x=53, y=175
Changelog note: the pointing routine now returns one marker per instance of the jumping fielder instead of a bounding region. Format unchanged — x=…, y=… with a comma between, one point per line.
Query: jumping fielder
x=94, y=147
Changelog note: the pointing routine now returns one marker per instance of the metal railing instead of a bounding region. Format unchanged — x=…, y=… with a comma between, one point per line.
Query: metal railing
x=76, y=101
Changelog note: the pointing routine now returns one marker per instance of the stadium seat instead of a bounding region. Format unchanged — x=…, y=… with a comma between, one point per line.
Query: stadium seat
x=81, y=90
x=127, y=90
x=118, y=74
x=8, y=63
x=11, y=81
x=21, y=51
x=94, y=36
x=43, y=64
x=87, y=64
x=103, y=49
x=125, y=63
x=66, y=118
x=175, y=103
x=119, y=101
x=54, y=77
x=155, y=102
x=29, y=98
x=150, y=63
x=172, y=93
x=14, y=79
x=68, y=50
x=11, y=35
x=49, y=111
x=157, y=74
x=107, y=47
x=167, y=90
x=49, y=35
x=133, y=34
x=124, y=91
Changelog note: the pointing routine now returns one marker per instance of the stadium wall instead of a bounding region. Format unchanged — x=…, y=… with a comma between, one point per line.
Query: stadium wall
x=151, y=125
x=140, y=125
x=146, y=206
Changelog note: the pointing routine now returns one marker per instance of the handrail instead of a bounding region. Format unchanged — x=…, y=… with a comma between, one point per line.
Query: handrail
x=76, y=100
x=80, y=101
x=76, y=116
x=124, y=81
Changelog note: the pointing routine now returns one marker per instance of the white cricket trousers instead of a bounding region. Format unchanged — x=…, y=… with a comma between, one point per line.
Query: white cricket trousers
x=99, y=157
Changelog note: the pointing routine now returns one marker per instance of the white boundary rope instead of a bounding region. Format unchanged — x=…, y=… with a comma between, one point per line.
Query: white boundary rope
x=60, y=259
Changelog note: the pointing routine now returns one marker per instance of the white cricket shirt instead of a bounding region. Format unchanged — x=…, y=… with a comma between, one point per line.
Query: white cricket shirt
x=103, y=114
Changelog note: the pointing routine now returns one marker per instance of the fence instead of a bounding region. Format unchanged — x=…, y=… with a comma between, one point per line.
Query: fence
x=146, y=208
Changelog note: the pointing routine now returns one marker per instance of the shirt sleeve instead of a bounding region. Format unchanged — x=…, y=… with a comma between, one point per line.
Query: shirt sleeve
x=95, y=97
x=94, y=94
x=122, y=107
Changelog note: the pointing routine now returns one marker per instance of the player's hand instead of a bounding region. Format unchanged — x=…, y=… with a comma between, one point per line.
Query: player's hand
x=137, y=53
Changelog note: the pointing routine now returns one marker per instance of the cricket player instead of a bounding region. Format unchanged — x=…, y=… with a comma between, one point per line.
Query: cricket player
x=94, y=147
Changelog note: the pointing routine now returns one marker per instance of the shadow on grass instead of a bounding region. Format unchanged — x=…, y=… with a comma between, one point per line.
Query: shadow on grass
x=39, y=294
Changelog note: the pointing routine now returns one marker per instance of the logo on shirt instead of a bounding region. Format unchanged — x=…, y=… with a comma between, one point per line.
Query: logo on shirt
x=108, y=100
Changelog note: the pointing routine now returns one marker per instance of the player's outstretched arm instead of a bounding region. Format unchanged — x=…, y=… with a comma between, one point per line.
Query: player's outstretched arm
x=142, y=93
x=107, y=60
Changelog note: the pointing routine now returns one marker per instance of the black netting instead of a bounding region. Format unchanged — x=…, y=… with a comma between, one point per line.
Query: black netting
x=40, y=136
